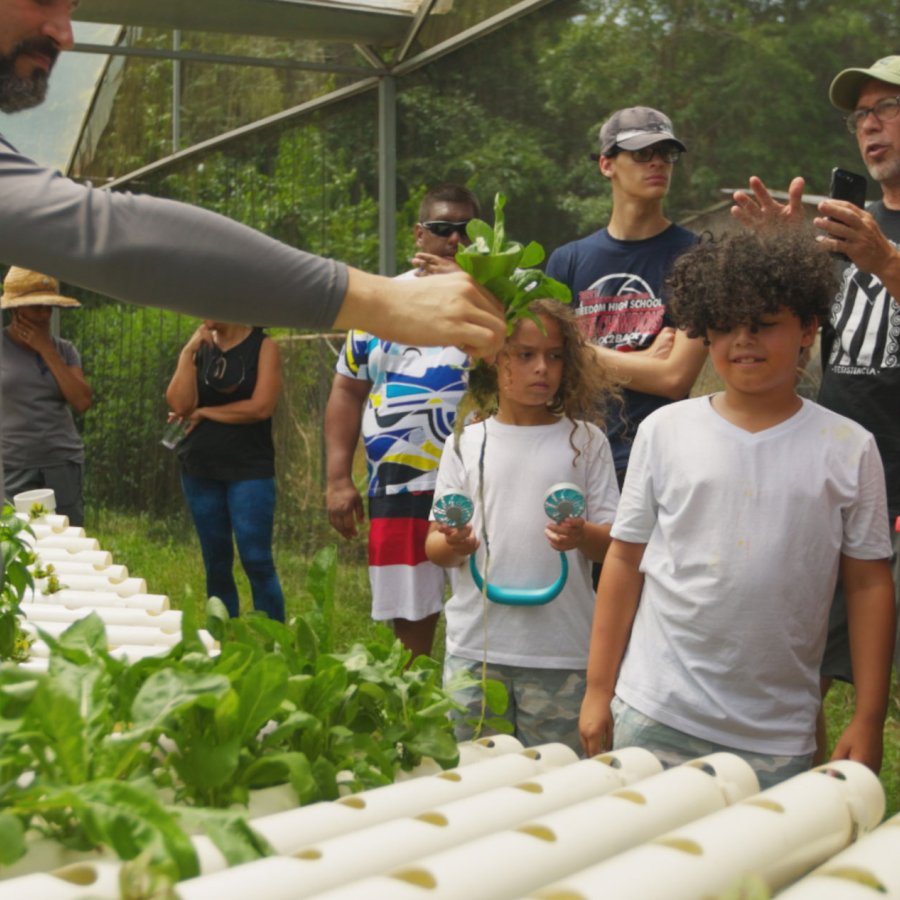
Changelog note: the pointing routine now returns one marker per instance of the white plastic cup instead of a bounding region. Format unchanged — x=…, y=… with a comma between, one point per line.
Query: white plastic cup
x=24, y=501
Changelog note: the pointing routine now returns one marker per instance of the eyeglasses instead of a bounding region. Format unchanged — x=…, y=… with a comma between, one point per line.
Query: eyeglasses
x=884, y=110
x=443, y=229
x=666, y=152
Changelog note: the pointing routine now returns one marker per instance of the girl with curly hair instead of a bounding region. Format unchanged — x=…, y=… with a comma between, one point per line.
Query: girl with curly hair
x=529, y=434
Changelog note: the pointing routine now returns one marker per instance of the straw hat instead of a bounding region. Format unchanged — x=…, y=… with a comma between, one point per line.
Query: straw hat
x=22, y=287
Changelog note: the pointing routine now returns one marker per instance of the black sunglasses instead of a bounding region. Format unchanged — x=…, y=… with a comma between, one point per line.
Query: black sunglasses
x=442, y=228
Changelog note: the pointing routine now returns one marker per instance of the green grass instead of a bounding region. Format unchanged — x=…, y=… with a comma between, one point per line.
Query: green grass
x=167, y=555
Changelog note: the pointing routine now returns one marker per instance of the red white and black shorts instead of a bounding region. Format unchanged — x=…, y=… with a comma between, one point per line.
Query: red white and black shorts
x=405, y=585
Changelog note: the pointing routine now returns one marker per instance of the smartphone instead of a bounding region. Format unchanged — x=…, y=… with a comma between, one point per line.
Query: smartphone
x=846, y=185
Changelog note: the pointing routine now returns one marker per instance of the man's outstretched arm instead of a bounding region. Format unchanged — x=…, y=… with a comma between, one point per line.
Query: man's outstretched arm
x=155, y=252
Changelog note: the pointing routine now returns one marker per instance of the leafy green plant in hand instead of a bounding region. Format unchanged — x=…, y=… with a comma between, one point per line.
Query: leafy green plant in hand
x=507, y=268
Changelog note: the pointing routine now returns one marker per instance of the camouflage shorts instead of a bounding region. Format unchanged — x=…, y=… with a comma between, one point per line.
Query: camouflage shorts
x=543, y=703
x=672, y=748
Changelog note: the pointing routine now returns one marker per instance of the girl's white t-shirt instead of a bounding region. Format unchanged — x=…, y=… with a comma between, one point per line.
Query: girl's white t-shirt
x=519, y=464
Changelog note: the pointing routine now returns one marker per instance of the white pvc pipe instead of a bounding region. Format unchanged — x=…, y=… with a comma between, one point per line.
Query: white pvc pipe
x=38, y=662
x=65, y=568
x=868, y=870
x=368, y=851
x=100, y=874
x=63, y=542
x=116, y=635
x=99, y=558
x=43, y=529
x=76, y=881
x=73, y=599
x=54, y=521
x=95, y=582
x=41, y=887
x=45, y=855
x=293, y=830
x=778, y=835
x=282, y=797
x=469, y=752
x=169, y=621
x=132, y=653
x=122, y=635
x=509, y=864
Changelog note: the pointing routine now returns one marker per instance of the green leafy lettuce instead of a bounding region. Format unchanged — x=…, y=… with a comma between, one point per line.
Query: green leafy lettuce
x=507, y=268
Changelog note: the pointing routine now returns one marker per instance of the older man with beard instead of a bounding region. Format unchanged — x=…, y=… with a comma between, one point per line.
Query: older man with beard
x=159, y=253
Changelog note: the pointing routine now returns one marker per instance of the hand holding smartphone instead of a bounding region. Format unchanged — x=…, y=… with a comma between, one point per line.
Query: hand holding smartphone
x=846, y=185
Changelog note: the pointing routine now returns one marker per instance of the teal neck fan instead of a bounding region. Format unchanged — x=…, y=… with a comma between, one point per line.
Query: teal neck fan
x=561, y=502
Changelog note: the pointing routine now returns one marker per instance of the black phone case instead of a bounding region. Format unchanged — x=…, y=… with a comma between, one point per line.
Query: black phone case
x=848, y=186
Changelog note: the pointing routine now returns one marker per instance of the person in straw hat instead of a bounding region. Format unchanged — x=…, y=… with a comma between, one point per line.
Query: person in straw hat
x=42, y=382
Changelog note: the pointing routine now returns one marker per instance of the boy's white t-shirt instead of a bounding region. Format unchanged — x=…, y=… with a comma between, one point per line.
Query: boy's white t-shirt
x=744, y=534
x=520, y=464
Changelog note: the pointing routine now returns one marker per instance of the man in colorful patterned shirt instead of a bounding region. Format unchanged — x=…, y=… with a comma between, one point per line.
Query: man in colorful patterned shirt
x=403, y=398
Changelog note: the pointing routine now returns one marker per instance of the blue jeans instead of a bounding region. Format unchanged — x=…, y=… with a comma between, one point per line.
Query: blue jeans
x=248, y=509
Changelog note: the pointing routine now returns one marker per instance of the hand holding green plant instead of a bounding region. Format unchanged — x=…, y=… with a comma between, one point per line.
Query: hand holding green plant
x=506, y=268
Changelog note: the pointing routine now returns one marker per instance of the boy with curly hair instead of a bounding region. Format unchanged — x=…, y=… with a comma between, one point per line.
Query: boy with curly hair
x=738, y=514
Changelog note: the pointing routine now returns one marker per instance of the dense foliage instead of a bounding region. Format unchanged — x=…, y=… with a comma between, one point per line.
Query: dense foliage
x=15, y=579
x=99, y=753
x=516, y=111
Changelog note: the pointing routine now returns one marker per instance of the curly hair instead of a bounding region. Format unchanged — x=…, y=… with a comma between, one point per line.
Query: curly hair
x=723, y=283
x=586, y=391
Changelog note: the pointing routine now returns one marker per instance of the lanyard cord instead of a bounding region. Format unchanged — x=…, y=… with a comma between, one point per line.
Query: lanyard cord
x=484, y=586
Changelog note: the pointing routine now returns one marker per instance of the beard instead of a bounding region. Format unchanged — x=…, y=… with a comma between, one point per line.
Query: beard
x=885, y=170
x=16, y=91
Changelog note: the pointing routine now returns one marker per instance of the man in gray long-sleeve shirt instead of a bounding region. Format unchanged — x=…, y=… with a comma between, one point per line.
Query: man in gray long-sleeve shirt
x=160, y=253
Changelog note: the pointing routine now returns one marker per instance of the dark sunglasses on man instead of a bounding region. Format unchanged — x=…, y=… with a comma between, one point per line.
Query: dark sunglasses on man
x=443, y=229
x=668, y=153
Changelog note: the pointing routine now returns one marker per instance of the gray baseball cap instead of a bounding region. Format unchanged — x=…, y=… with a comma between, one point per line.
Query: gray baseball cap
x=635, y=128
x=844, y=90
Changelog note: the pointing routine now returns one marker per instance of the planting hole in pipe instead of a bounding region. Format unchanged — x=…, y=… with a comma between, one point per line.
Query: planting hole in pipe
x=560, y=895
x=608, y=759
x=450, y=776
x=79, y=874
x=541, y=832
x=704, y=767
x=764, y=803
x=859, y=876
x=631, y=797
x=532, y=754
x=434, y=818
x=682, y=845
x=313, y=855
x=417, y=877
x=530, y=787
x=832, y=773
x=352, y=802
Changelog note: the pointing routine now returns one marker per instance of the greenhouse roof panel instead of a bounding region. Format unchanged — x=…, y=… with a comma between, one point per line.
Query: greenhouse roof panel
x=377, y=22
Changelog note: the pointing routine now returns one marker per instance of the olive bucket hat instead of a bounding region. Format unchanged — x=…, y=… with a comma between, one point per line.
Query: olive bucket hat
x=845, y=88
